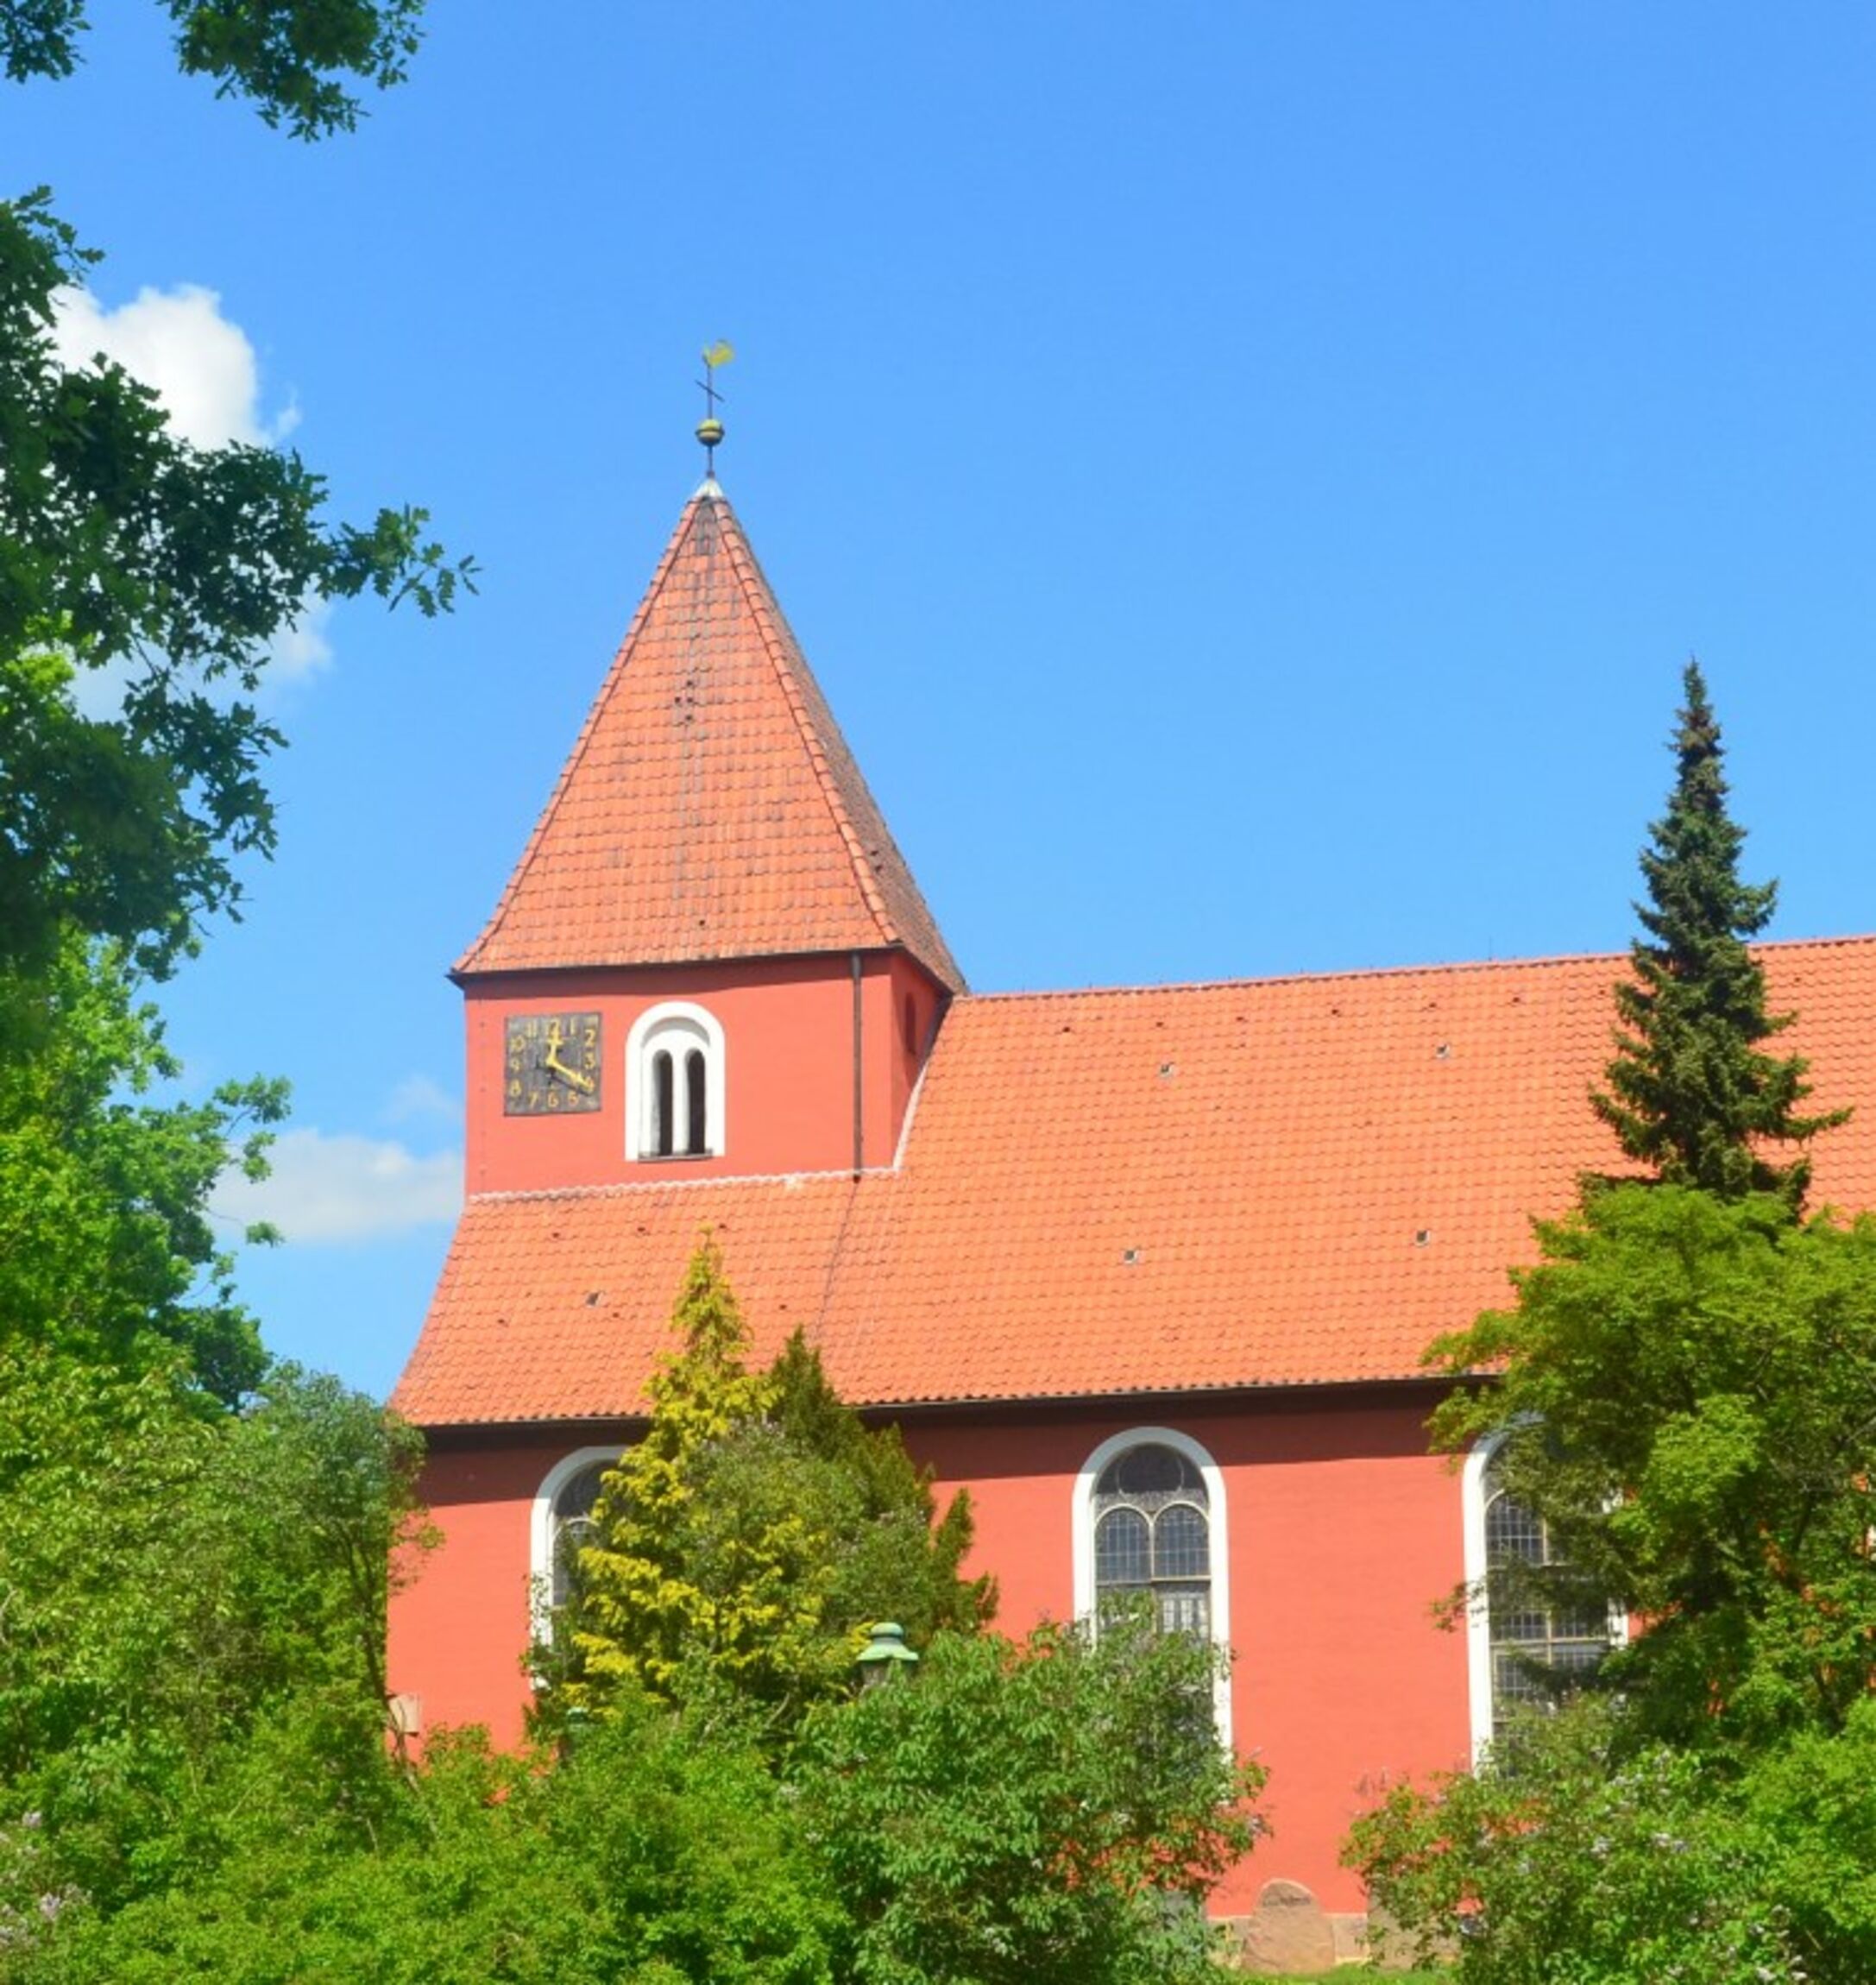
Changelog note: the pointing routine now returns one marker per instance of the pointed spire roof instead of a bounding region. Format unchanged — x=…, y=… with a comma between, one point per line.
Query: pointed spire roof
x=710, y=807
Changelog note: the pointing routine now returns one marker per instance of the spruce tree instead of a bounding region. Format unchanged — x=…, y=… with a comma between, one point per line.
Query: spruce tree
x=1691, y=1094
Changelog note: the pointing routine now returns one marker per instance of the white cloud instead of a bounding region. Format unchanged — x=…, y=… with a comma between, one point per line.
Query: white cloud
x=418, y=1099
x=178, y=342
x=209, y=377
x=334, y=1190
x=301, y=649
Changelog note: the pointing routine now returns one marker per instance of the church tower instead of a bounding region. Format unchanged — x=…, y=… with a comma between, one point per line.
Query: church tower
x=711, y=960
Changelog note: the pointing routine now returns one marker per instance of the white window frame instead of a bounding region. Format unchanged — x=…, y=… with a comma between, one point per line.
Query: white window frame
x=541, y=1545
x=675, y=1025
x=1478, y=1621
x=1218, y=1542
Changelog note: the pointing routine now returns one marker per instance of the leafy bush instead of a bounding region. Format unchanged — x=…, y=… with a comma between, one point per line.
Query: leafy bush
x=1052, y=1813
x=1575, y=1860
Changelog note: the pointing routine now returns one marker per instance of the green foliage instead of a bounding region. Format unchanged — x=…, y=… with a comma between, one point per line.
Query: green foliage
x=667, y=1578
x=1586, y=1859
x=291, y=57
x=105, y=1243
x=892, y=1543
x=171, y=1580
x=1688, y=1394
x=1812, y=1800
x=647, y=1857
x=125, y=549
x=745, y=1543
x=1583, y=1861
x=1048, y=1814
x=195, y=1781
x=1691, y=1094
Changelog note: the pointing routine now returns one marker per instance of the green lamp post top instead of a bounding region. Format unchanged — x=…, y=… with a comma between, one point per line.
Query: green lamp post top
x=886, y=1653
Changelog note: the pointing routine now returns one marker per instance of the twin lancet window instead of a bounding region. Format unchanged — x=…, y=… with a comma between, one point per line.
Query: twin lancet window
x=679, y=1123
x=674, y=1060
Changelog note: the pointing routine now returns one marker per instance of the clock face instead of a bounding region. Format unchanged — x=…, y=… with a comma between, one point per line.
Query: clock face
x=553, y=1065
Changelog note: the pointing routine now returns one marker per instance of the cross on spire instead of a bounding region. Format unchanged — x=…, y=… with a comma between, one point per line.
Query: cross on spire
x=710, y=429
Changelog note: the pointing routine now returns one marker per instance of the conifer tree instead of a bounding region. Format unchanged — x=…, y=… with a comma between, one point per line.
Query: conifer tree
x=639, y=1613
x=744, y=1543
x=900, y=1556
x=1691, y=1094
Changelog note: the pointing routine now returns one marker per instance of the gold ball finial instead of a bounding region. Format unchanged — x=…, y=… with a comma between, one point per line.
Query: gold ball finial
x=711, y=433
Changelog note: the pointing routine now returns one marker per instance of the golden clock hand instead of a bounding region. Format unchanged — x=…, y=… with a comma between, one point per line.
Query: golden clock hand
x=571, y=1076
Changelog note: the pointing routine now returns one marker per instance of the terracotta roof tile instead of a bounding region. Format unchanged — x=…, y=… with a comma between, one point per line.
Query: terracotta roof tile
x=710, y=807
x=1272, y=1182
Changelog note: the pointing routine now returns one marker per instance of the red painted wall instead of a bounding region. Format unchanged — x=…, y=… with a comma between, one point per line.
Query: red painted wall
x=1342, y=1531
x=459, y=1625
x=789, y=1045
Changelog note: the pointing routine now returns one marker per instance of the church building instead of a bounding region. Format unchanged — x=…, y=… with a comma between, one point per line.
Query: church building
x=1150, y=1270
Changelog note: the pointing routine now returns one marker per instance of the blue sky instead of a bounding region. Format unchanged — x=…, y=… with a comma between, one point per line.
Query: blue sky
x=1247, y=477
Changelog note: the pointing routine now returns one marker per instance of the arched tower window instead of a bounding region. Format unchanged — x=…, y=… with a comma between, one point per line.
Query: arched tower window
x=1513, y=1634
x=674, y=1083
x=1150, y=1519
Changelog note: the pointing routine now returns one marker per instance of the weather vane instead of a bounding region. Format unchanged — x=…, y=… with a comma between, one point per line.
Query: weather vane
x=710, y=429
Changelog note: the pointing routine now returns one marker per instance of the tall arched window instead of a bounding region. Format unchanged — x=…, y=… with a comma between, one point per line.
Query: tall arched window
x=1150, y=1519
x=1152, y=1534
x=1513, y=1636
x=562, y=1521
x=674, y=1083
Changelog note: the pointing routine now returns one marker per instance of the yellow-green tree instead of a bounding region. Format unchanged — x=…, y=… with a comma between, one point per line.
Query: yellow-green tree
x=745, y=1543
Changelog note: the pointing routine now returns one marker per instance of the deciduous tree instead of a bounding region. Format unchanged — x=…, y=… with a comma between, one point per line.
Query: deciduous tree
x=106, y=1247
x=1688, y=1397
x=129, y=554
x=173, y=1579
x=292, y=58
x=1048, y=1813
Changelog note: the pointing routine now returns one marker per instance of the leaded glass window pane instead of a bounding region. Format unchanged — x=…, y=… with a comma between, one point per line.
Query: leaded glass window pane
x=1149, y=1471
x=1122, y=1553
x=1184, y=1609
x=1533, y=1643
x=1180, y=1545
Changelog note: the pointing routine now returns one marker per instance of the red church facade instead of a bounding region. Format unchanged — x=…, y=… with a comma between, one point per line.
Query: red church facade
x=1149, y=1271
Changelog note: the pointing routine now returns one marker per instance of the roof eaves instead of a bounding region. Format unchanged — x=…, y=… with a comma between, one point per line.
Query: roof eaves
x=465, y=974
x=1224, y=1393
